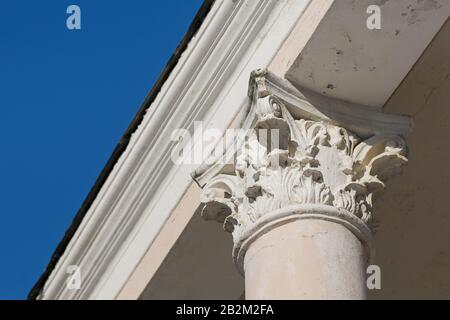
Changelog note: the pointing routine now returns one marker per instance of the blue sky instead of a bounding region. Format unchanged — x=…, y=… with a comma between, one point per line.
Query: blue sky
x=66, y=97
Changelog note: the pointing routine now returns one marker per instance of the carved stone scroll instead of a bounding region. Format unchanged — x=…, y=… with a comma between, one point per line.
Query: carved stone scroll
x=316, y=168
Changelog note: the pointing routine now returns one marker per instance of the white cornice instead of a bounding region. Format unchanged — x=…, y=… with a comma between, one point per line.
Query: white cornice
x=208, y=84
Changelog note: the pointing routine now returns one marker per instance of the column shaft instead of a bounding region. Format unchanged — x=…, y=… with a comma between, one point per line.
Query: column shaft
x=306, y=259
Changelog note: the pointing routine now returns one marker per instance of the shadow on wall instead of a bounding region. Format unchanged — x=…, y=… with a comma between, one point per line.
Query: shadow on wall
x=199, y=266
x=413, y=240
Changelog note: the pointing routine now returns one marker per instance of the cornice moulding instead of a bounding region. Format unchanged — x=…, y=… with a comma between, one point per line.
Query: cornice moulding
x=145, y=186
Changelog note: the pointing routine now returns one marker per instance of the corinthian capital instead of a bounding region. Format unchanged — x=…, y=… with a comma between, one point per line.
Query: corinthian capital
x=303, y=156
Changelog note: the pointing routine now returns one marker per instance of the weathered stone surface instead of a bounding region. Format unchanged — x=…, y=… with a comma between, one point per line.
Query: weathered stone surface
x=313, y=164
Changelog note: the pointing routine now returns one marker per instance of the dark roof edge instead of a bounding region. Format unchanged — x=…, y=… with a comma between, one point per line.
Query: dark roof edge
x=120, y=148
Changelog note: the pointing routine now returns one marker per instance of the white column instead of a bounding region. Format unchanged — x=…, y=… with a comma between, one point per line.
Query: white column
x=299, y=204
x=306, y=259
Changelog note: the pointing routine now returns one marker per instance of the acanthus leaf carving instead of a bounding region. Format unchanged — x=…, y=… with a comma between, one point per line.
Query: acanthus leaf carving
x=290, y=161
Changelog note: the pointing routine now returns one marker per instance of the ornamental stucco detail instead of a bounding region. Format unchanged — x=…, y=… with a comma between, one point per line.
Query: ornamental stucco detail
x=286, y=160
